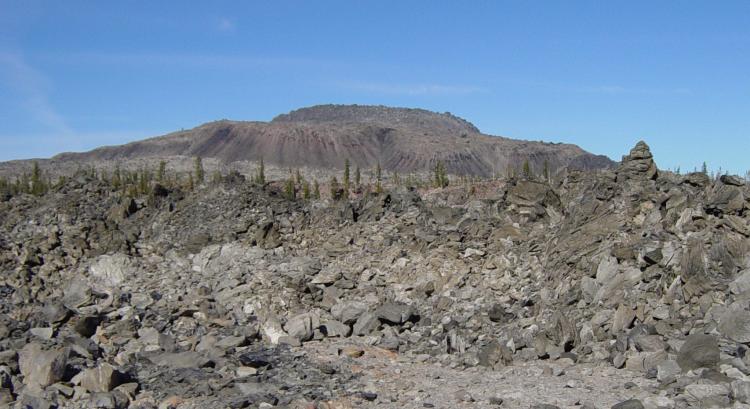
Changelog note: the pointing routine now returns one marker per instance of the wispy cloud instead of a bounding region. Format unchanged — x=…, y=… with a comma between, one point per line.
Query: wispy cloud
x=622, y=90
x=17, y=146
x=181, y=60
x=610, y=89
x=410, y=89
x=32, y=89
x=226, y=25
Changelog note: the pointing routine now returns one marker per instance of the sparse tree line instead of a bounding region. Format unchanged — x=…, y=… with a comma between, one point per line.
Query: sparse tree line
x=713, y=174
x=141, y=182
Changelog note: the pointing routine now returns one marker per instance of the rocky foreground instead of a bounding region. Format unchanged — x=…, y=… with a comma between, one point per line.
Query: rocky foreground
x=625, y=288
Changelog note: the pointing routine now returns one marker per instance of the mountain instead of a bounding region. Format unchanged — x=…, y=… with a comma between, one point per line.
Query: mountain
x=400, y=139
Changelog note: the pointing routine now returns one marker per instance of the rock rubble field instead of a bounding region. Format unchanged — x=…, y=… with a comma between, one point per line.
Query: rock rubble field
x=622, y=288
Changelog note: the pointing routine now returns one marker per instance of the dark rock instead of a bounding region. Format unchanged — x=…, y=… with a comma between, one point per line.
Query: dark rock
x=629, y=404
x=732, y=180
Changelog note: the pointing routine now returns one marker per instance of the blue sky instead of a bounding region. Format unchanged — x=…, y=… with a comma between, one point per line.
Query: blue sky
x=75, y=75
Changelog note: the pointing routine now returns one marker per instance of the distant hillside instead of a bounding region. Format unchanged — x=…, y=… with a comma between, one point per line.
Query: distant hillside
x=400, y=139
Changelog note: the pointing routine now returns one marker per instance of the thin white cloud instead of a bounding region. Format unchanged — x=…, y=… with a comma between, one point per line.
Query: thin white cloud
x=181, y=60
x=610, y=89
x=410, y=89
x=49, y=144
x=32, y=89
x=226, y=25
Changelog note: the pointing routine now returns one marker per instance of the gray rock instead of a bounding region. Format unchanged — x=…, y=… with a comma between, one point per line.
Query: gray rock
x=348, y=311
x=698, y=351
x=667, y=371
x=708, y=395
x=741, y=284
x=735, y=324
x=658, y=402
x=741, y=391
x=366, y=324
x=494, y=353
x=302, y=326
x=395, y=313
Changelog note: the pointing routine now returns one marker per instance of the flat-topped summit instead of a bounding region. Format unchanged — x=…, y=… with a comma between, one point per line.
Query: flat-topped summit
x=379, y=114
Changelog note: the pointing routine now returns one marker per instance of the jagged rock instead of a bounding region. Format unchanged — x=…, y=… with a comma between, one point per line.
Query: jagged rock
x=623, y=318
x=267, y=236
x=41, y=368
x=608, y=268
x=697, y=179
x=302, y=326
x=638, y=164
x=180, y=360
x=732, y=180
x=366, y=324
x=103, y=378
x=349, y=311
x=629, y=404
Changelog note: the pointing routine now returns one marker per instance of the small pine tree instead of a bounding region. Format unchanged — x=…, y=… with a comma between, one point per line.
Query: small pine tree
x=378, y=173
x=289, y=189
x=298, y=177
x=143, y=185
x=334, y=187
x=200, y=174
x=260, y=178
x=316, y=190
x=440, y=175
x=306, y=190
x=510, y=172
x=4, y=186
x=704, y=169
x=162, y=171
x=346, y=175
x=37, y=183
x=191, y=182
x=357, y=177
x=526, y=169
x=216, y=177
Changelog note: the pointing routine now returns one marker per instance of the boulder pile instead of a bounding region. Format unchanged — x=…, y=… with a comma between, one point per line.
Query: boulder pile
x=210, y=297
